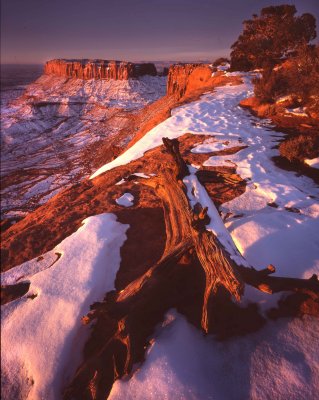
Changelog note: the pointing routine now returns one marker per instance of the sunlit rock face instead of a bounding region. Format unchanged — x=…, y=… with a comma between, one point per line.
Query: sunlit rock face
x=183, y=78
x=51, y=134
x=98, y=69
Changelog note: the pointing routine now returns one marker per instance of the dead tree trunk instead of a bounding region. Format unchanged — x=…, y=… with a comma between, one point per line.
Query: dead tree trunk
x=223, y=268
x=187, y=225
x=125, y=320
x=218, y=267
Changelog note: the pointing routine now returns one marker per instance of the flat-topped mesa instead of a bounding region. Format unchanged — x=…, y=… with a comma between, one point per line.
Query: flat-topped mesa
x=98, y=69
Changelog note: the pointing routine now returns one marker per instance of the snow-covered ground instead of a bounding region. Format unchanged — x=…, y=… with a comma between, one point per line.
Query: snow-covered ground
x=44, y=131
x=42, y=337
x=126, y=200
x=129, y=94
x=284, y=232
x=197, y=194
x=280, y=361
x=314, y=162
x=277, y=221
x=299, y=111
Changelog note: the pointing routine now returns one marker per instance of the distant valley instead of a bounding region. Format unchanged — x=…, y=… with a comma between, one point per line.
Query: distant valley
x=48, y=130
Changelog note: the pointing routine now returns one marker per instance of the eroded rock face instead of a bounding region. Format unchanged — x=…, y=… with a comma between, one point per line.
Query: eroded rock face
x=46, y=129
x=183, y=78
x=98, y=69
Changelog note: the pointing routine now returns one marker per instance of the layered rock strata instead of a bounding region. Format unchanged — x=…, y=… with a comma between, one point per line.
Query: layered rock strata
x=184, y=78
x=98, y=69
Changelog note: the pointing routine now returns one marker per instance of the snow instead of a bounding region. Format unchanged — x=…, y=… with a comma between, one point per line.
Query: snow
x=198, y=118
x=211, y=145
x=42, y=338
x=141, y=175
x=129, y=94
x=314, y=162
x=120, y=182
x=298, y=111
x=280, y=238
x=278, y=362
x=235, y=73
x=44, y=131
x=126, y=200
x=262, y=230
x=197, y=194
x=223, y=67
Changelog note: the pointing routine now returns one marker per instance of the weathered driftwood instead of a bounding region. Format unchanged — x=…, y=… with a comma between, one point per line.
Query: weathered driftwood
x=218, y=267
x=206, y=281
x=259, y=279
x=274, y=284
x=183, y=224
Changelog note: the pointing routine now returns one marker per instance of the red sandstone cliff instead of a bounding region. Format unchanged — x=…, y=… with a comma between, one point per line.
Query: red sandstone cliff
x=184, y=78
x=98, y=69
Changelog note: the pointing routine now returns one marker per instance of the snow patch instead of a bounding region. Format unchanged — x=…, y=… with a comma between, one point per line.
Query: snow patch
x=42, y=338
x=207, y=116
x=211, y=145
x=183, y=364
x=277, y=362
x=314, y=162
x=223, y=67
x=299, y=111
x=126, y=200
x=45, y=130
x=141, y=175
x=198, y=194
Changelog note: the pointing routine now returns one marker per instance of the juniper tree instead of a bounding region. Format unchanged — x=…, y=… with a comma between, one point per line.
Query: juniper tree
x=273, y=35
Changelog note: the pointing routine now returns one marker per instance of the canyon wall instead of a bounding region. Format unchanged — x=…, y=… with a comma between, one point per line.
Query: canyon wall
x=184, y=78
x=98, y=69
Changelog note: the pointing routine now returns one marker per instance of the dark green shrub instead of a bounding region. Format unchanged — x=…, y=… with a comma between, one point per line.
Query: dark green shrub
x=273, y=35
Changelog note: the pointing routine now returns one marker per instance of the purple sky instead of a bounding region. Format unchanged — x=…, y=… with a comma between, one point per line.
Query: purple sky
x=33, y=31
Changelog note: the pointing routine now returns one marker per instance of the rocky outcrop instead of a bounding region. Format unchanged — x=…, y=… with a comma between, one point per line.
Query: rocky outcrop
x=98, y=69
x=184, y=78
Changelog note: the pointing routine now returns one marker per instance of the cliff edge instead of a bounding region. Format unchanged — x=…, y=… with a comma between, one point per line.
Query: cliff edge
x=98, y=69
